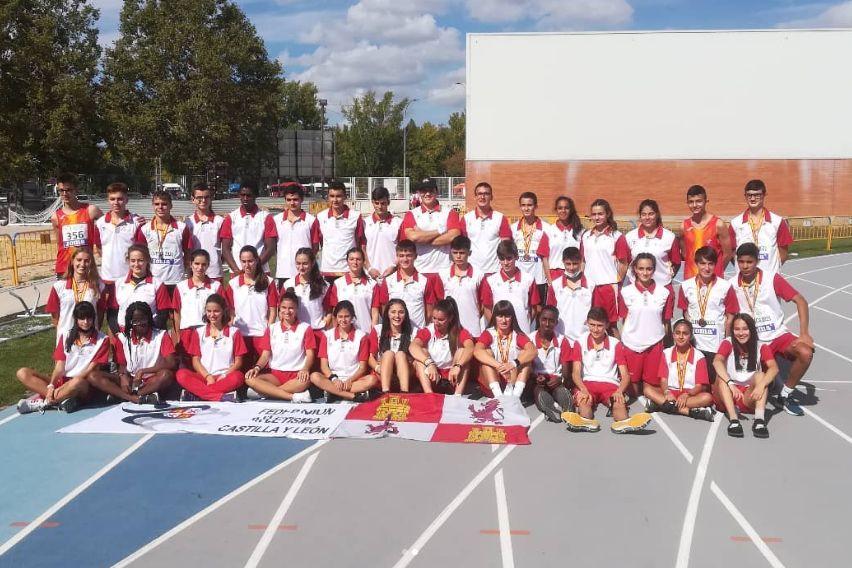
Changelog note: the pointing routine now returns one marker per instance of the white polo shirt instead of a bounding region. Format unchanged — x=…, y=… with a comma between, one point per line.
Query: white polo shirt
x=288, y=345
x=245, y=228
x=519, y=289
x=768, y=234
x=644, y=310
x=718, y=299
x=560, y=237
x=344, y=353
x=552, y=355
x=338, y=234
x=485, y=233
x=599, y=365
x=217, y=355
x=205, y=235
x=115, y=239
x=142, y=352
x=601, y=253
x=504, y=350
x=694, y=372
x=416, y=292
x=292, y=235
x=743, y=377
x=465, y=290
x=395, y=340
x=82, y=355
x=150, y=290
x=63, y=298
x=663, y=245
x=310, y=311
x=166, y=249
x=573, y=304
x=438, y=345
x=532, y=249
x=250, y=308
x=189, y=300
x=362, y=293
x=430, y=259
x=766, y=308
x=382, y=235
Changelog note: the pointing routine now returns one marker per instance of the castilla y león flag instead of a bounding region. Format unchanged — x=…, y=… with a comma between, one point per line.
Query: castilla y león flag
x=438, y=418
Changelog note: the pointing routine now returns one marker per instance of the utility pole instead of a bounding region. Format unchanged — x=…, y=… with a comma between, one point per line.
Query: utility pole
x=322, y=104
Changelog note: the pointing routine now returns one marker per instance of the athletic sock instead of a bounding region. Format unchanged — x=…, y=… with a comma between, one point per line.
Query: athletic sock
x=759, y=414
x=785, y=391
x=495, y=388
x=519, y=388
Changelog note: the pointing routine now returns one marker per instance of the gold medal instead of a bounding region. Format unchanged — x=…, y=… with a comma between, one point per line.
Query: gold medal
x=703, y=298
x=681, y=367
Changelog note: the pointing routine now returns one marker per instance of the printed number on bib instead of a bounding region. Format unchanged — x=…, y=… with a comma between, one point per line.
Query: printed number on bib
x=75, y=235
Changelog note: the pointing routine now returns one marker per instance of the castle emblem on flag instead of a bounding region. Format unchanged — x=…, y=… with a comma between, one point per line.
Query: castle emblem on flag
x=394, y=407
x=487, y=434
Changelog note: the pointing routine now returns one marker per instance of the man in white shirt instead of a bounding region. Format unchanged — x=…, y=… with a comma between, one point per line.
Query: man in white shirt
x=381, y=230
x=248, y=225
x=115, y=232
x=338, y=230
x=461, y=282
x=205, y=225
x=296, y=229
x=432, y=228
x=768, y=230
x=485, y=228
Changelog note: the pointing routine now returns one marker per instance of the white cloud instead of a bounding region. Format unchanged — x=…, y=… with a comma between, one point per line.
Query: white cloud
x=837, y=16
x=553, y=14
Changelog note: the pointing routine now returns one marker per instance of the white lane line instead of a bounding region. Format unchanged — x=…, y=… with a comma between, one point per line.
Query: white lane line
x=835, y=353
x=822, y=269
x=746, y=526
x=494, y=447
x=827, y=424
x=412, y=551
x=818, y=300
x=841, y=316
x=820, y=284
x=695, y=496
x=36, y=523
x=675, y=440
x=278, y=517
x=213, y=506
x=9, y=418
x=503, y=521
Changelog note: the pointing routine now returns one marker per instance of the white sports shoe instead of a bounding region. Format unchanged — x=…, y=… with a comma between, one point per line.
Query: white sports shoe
x=304, y=396
x=32, y=404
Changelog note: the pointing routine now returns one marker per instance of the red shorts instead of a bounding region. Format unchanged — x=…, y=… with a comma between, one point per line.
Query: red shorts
x=644, y=365
x=780, y=344
x=604, y=296
x=601, y=392
x=253, y=351
x=740, y=405
x=283, y=376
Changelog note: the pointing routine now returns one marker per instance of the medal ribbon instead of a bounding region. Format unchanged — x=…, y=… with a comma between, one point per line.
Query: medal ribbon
x=681, y=368
x=703, y=298
x=79, y=291
x=527, y=230
x=161, y=233
x=755, y=285
x=755, y=227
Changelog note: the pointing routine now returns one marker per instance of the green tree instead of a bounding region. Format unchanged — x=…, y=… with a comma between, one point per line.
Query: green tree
x=454, y=163
x=190, y=81
x=371, y=143
x=300, y=106
x=427, y=149
x=48, y=63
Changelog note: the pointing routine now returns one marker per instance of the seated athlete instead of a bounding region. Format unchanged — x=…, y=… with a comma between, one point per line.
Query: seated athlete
x=139, y=285
x=344, y=359
x=600, y=377
x=744, y=371
x=505, y=354
x=217, y=350
x=389, y=342
x=288, y=351
x=552, y=366
x=145, y=357
x=442, y=351
x=78, y=353
x=683, y=385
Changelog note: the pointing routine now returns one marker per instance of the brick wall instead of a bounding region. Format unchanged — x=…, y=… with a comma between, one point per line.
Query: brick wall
x=795, y=187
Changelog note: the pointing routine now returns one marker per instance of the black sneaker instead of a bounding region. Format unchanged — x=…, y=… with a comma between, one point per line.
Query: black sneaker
x=669, y=407
x=792, y=407
x=759, y=429
x=362, y=397
x=735, y=429
x=331, y=399
x=153, y=398
x=703, y=413
x=544, y=402
x=563, y=398
x=69, y=405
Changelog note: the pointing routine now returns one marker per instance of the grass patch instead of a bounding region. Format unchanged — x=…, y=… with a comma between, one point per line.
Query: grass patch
x=34, y=351
x=817, y=248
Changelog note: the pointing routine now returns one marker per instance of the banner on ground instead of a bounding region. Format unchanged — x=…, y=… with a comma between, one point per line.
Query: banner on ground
x=256, y=418
x=438, y=418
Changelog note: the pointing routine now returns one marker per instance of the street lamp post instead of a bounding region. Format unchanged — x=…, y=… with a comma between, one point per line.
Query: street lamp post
x=405, y=135
x=322, y=104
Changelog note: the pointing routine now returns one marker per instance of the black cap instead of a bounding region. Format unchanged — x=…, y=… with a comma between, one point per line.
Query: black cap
x=427, y=184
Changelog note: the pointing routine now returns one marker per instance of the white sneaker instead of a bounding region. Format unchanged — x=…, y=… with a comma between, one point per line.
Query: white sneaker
x=304, y=396
x=32, y=404
x=252, y=394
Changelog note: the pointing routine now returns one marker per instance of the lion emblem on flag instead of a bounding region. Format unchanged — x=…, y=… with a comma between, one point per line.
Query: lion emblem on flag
x=489, y=411
x=386, y=427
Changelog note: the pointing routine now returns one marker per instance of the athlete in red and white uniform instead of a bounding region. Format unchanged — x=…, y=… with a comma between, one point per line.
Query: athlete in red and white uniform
x=651, y=237
x=205, y=227
x=463, y=283
x=137, y=286
x=512, y=285
x=381, y=233
x=563, y=234
x=190, y=296
x=505, y=354
x=552, y=366
x=74, y=222
x=485, y=228
x=288, y=351
x=442, y=351
x=531, y=240
x=81, y=284
x=605, y=254
x=758, y=294
x=311, y=289
x=253, y=299
x=432, y=228
x=682, y=385
x=217, y=351
x=248, y=225
x=745, y=370
x=296, y=229
x=769, y=231
x=168, y=241
x=356, y=287
x=647, y=309
x=571, y=294
x=115, y=232
x=419, y=291
x=389, y=343
x=339, y=229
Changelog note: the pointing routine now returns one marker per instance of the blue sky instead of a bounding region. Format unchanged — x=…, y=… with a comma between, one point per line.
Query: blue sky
x=416, y=47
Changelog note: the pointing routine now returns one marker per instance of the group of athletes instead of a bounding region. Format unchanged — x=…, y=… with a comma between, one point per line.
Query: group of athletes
x=433, y=301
